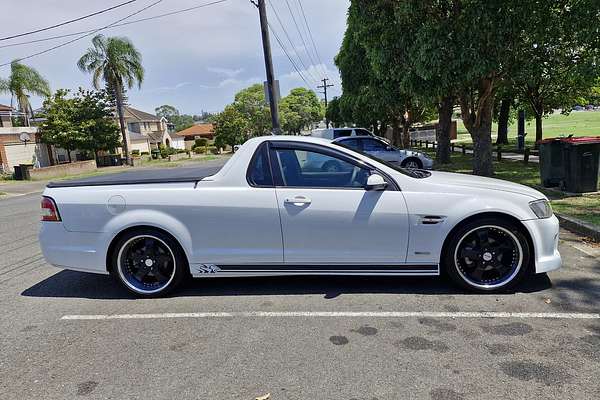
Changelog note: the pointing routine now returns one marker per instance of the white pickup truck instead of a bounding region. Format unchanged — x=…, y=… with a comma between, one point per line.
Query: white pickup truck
x=270, y=212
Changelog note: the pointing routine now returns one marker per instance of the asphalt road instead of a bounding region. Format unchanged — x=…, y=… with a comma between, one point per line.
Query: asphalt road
x=246, y=354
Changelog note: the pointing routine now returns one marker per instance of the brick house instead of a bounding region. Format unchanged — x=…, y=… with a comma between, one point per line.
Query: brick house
x=197, y=131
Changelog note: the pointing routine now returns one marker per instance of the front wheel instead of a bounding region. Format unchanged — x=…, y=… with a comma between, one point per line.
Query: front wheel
x=487, y=255
x=412, y=163
x=148, y=262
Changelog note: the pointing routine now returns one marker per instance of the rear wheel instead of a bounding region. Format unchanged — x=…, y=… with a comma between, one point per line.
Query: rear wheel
x=487, y=255
x=148, y=262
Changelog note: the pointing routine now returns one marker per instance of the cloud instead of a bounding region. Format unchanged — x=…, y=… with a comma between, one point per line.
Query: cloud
x=225, y=71
x=169, y=88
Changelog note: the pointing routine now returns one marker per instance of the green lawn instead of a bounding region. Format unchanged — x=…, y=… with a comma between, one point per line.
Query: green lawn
x=578, y=123
x=586, y=208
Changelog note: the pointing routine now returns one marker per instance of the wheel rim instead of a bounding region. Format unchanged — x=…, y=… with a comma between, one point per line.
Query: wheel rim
x=146, y=264
x=488, y=257
x=412, y=165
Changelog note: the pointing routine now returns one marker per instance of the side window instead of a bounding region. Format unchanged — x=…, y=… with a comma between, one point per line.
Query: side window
x=351, y=143
x=259, y=171
x=337, y=133
x=362, y=132
x=306, y=168
x=373, y=145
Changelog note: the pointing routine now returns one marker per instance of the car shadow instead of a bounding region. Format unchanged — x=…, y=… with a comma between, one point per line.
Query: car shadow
x=71, y=284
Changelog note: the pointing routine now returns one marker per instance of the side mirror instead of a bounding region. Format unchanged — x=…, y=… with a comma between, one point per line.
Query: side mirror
x=376, y=182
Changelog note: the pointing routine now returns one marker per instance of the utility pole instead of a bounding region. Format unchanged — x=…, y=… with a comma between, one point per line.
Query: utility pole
x=264, y=29
x=324, y=86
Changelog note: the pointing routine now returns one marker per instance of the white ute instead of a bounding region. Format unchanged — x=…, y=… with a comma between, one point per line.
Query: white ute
x=269, y=212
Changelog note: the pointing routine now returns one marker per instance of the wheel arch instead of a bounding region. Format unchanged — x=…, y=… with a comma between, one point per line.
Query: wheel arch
x=125, y=231
x=492, y=214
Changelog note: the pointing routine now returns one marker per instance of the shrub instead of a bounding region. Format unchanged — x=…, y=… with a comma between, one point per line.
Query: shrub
x=199, y=150
x=181, y=151
x=135, y=152
x=213, y=150
x=200, y=142
x=144, y=153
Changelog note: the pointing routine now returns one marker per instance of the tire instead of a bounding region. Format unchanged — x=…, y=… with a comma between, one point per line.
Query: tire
x=148, y=262
x=488, y=255
x=331, y=166
x=412, y=162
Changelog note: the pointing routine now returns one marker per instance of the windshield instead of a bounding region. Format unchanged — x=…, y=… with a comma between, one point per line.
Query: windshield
x=413, y=173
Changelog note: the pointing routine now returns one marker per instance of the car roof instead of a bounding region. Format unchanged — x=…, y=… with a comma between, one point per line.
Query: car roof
x=357, y=137
x=305, y=139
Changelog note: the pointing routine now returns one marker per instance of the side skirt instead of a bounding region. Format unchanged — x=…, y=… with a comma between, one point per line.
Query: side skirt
x=207, y=270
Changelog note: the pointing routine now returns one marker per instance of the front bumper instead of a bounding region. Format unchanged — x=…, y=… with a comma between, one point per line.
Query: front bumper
x=427, y=163
x=544, y=233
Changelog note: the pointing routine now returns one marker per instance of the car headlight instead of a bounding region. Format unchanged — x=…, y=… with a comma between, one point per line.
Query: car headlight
x=541, y=208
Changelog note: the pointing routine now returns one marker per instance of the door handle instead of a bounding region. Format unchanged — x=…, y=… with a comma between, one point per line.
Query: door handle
x=298, y=201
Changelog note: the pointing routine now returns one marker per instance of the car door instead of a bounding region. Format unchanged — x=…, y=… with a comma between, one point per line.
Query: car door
x=236, y=225
x=379, y=149
x=327, y=217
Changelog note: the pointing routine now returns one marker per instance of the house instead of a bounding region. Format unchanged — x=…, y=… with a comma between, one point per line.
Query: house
x=6, y=112
x=197, y=131
x=147, y=131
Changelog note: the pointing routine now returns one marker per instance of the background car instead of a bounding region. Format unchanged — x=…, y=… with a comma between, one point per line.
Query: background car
x=334, y=133
x=381, y=149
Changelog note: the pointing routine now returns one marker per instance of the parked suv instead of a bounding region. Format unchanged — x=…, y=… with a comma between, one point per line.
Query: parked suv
x=379, y=148
x=334, y=133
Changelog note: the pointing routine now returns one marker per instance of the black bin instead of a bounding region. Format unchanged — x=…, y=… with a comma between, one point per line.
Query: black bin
x=552, y=171
x=581, y=159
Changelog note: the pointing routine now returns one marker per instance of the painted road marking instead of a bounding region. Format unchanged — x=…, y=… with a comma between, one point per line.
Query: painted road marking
x=336, y=314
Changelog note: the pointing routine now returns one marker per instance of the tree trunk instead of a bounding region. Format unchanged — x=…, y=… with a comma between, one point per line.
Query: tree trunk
x=445, y=109
x=405, y=134
x=119, y=98
x=396, y=138
x=482, y=149
x=69, y=155
x=539, y=135
x=503, y=121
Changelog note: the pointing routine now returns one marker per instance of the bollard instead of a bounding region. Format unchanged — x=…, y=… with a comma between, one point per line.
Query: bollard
x=464, y=149
x=526, y=156
x=499, y=151
x=426, y=144
x=452, y=147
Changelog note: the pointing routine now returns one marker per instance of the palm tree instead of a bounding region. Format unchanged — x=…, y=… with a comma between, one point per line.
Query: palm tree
x=23, y=82
x=116, y=61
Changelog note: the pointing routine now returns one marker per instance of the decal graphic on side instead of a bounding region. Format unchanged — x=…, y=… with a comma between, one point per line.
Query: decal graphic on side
x=208, y=269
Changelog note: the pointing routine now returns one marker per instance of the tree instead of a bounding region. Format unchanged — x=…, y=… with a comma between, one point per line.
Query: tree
x=59, y=128
x=23, y=82
x=116, y=61
x=252, y=105
x=231, y=127
x=93, y=117
x=561, y=49
x=334, y=113
x=181, y=121
x=84, y=121
x=299, y=109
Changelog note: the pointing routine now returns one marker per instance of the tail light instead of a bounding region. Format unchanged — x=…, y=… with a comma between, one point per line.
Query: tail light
x=49, y=210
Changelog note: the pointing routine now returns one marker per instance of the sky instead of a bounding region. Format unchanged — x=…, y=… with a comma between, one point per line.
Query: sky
x=196, y=60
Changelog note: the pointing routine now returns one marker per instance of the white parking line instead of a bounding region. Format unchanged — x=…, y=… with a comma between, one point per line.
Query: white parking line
x=336, y=314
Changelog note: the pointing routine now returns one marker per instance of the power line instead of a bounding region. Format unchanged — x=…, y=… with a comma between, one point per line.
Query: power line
x=83, y=36
x=300, y=33
x=311, y=36
x=116, y=25
x=288, y=56
x=67, y=22
x=291, y=42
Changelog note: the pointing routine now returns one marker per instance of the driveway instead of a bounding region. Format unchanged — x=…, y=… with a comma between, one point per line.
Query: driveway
x=67, y=334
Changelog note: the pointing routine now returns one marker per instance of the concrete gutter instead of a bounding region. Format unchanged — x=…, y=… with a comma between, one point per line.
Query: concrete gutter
x=581, y=227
